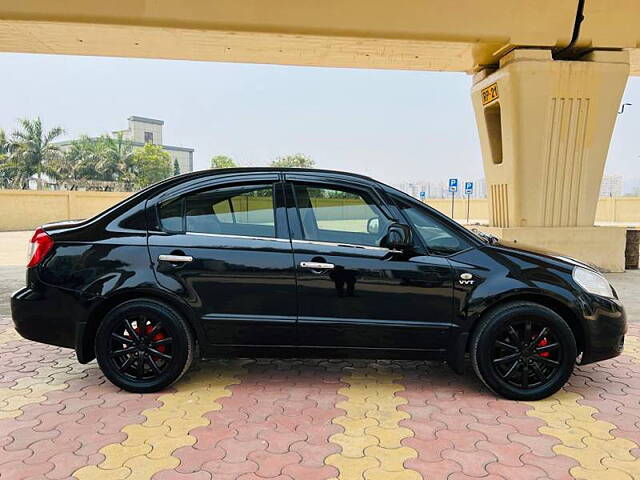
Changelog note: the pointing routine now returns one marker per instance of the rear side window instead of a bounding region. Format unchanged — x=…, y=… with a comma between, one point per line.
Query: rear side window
x=243, y=210
x=171, y=215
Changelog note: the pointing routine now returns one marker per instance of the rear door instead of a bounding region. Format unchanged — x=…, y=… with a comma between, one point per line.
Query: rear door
x=351, y=291
x=225, y=249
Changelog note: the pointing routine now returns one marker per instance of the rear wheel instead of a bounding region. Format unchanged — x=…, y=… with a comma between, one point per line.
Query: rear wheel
x=523, y=351
x=144, y=346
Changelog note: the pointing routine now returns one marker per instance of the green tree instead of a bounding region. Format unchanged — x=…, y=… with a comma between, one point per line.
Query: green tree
x=4, y=144
x=222, y=161
x=151, y=164
x=81, y=160
x=117, y=161
x=5, y=167
x=176, y=167
x=33, y=152
x=296, y=161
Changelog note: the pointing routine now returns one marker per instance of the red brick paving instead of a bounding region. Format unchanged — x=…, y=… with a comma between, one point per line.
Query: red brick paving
x=277, y=423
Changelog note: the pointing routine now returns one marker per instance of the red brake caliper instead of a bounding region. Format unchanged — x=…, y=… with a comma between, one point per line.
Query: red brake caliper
x=543, y=343
x=158, y=336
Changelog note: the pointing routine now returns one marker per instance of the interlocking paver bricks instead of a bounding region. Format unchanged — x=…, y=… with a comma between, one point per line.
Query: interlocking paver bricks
x=149, y=446
x=311, y=419
x=371, y=402
x=276, y=414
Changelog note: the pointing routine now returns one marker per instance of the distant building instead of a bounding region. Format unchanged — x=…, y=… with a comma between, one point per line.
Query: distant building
x=149, y=130
x=611, y=186
x=440, y=188
x=479, y=188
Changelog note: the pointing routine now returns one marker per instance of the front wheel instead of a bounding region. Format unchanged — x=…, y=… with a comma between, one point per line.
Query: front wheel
x=144, y=346
x=523, y=351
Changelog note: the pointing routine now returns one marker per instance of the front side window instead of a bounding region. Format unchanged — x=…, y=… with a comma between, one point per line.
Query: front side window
x=243, y=210
x=339, y=215
x=439, y=239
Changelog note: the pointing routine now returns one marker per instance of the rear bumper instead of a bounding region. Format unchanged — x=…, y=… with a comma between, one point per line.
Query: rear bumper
x=605, y=324
x=47, y=315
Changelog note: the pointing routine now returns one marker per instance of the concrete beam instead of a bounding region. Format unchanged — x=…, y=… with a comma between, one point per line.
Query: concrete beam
x=401, y=34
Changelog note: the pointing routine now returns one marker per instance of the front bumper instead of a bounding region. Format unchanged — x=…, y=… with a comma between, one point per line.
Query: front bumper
x=605, y=324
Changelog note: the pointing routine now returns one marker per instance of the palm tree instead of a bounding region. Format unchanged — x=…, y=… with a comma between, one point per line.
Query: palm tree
x=117, y=163
x=4, y=144
x=81, y=160
x=33, y=151
x=5, y=167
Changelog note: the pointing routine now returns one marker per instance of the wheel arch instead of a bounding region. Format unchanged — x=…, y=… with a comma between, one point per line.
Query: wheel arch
x=567, y=314
x=85, y=340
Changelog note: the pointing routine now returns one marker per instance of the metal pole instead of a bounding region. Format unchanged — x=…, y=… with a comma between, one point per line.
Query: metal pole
x=453, y=196
x=468, y=201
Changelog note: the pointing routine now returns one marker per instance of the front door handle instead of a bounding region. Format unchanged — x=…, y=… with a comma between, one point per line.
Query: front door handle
x=175, y=258
x=317, y=265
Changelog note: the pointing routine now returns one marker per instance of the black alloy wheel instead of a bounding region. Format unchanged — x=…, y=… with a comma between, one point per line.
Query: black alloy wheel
x=526, y=354
x=523, y=351
x=144, y=346
x=141, y=348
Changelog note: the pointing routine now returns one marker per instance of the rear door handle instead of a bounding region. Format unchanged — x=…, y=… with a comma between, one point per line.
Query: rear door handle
x=317, y=265
x=175, y=258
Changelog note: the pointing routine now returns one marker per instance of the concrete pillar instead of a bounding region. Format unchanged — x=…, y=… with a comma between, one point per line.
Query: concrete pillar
x=545, y=127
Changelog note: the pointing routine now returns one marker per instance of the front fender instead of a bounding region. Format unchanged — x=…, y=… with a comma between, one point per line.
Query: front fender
x=497, y=279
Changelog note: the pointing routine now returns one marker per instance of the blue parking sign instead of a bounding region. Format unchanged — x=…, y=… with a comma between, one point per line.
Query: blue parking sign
x=468, y=188
x=423, y=195
x=453, y=184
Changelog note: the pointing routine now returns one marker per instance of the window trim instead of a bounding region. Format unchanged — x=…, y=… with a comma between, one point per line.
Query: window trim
x=230, y=235
x=183, y=195
x=347, y=245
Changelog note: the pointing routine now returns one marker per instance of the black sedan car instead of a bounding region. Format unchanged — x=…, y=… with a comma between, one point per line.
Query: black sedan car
x=307, y=263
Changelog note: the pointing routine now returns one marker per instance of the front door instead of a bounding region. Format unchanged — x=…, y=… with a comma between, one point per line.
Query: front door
x=351, y=291
x=226, y=250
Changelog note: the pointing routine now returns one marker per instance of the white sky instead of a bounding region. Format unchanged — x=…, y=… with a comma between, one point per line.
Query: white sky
x=393, y=125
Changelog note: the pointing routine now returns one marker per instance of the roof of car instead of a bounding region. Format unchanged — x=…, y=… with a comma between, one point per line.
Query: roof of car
x=210, y=171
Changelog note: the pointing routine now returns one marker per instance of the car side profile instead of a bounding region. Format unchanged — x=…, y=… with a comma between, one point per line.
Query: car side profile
x=307, y=263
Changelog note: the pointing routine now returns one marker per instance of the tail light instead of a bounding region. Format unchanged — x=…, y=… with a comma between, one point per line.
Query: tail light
x=41, y=243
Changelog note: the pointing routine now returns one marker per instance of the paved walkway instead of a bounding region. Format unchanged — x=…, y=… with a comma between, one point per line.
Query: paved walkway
x=310, y=419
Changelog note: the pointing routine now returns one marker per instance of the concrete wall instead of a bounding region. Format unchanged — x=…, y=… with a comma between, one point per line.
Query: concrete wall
x=600, y=246
x=478, y=208
x=610, y=210
x=26, y=209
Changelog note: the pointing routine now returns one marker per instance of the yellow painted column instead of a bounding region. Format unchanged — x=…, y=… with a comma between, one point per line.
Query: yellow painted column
x=545, y=127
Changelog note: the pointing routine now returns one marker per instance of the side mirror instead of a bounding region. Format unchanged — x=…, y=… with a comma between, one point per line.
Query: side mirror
x=373, y=225
x=398, y=237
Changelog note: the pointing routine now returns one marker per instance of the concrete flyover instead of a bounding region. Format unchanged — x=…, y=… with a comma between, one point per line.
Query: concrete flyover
x=548, y=76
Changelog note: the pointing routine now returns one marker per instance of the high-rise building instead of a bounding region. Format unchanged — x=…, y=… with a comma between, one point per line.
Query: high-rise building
x=611, y=186
x=440, y=188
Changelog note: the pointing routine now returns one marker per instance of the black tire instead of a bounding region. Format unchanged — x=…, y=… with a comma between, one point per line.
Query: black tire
x=534, y=368
x=149, y=330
